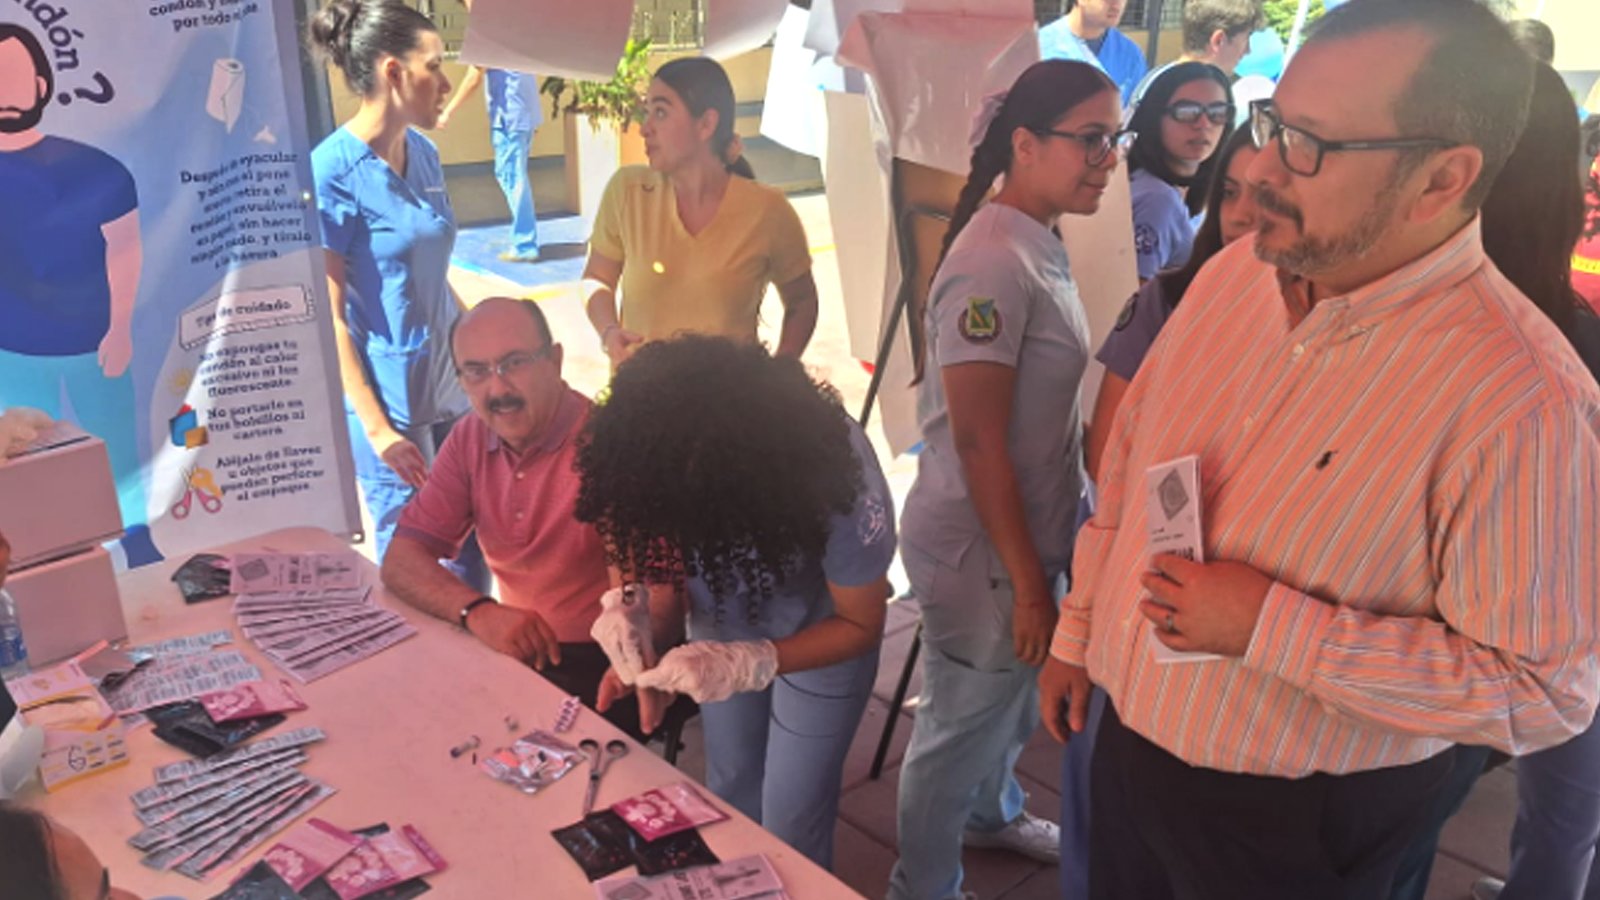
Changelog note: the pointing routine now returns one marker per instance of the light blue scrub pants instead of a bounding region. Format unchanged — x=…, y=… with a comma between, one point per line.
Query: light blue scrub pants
x=1558, y=823
x=511, y=170
x=979, y=706
x=75, y=388
x=386, y=494
x=778, y=755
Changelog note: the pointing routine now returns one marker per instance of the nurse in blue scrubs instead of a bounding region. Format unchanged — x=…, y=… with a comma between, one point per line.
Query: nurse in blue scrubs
x=734, y=481
x=387, y=232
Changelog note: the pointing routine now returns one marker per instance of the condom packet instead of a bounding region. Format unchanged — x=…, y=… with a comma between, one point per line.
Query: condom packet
x=661, y=811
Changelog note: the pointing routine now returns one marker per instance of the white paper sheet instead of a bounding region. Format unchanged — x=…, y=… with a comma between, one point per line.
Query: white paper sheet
x=551, y=37
x=1173, y=518
x=929, y=74
x=739, y=26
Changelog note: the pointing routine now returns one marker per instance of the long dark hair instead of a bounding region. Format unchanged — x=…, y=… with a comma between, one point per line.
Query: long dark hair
x=355, y=34
x=1208, y=237
x=1534, y=213
x=27, y=865
x=710, y=458
x=703, y=84
x=1044, y=93
x=1149, y=152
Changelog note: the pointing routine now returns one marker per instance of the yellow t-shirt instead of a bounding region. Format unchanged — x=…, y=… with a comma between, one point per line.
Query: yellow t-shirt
x=711, y=282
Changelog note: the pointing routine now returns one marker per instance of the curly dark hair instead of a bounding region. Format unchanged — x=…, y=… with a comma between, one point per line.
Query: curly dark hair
x=711, y=459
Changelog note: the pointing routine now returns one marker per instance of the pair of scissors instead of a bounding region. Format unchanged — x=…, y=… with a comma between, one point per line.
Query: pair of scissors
x=198, y=482
x=598, y=764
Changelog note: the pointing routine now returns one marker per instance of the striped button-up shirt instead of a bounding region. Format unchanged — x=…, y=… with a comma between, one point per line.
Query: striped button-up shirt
x=1415, y=465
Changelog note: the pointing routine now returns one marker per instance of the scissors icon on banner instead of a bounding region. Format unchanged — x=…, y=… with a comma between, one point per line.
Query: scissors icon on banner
x=615, y=749
x=198, y=482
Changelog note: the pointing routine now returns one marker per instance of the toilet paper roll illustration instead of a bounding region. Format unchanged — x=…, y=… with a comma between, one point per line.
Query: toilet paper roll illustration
x=225, y=99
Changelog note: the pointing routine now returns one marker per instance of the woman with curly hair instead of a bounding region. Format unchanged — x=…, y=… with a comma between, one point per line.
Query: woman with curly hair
x=988, y=522
x=732, y=478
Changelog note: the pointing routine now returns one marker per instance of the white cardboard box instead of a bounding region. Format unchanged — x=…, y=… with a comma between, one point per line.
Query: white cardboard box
x=66, y=605
x=58, y=500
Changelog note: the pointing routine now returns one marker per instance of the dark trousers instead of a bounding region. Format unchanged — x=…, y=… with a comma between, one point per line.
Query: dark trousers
x=1166, y=830
x=582, y=667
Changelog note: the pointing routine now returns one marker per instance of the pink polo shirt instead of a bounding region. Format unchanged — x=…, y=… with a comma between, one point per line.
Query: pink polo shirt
x=546, y=561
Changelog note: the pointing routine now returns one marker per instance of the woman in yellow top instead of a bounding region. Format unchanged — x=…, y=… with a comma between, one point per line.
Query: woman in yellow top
x=693, y=247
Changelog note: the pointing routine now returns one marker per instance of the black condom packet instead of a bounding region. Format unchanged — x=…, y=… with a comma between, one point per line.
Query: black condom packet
x=187, y=726
x=672, y=852
x=664, y=854
x=259, y=883
x=204, y=577
x=405, y=890
x=596, y=853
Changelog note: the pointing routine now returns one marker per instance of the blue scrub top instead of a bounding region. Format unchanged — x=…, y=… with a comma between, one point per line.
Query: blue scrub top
x=1119, y=57
x=861, y=546
x=54, y=293
x=1163, y=232
x=513, y=99
x=395, y=235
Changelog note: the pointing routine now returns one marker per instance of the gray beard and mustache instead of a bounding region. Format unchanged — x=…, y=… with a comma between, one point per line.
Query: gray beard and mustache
x=1311, y=255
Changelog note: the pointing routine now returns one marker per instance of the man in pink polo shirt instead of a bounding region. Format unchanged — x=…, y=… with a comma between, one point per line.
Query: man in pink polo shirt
x=507, y=471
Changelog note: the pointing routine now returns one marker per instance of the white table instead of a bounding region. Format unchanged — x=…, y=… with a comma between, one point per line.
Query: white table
x=391, y=720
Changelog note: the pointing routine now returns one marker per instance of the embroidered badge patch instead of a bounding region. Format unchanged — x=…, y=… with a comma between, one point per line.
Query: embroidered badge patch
x=1126, y=316
x=874, y=521
x=1144, y=238
x=980, y=324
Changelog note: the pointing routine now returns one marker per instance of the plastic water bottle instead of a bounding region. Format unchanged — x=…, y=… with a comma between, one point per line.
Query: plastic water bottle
x=13, y=653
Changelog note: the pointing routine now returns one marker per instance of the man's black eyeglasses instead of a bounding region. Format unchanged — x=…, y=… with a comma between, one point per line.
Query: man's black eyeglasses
x=1302, y=152
x=1097, y=145
x=1190, y=111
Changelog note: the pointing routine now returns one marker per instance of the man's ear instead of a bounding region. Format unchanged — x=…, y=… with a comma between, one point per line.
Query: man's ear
x=1219, y=40
x=44, y=87
x=1450, y=175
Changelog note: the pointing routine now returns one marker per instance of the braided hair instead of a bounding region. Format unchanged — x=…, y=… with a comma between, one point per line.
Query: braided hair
x=1043, y=94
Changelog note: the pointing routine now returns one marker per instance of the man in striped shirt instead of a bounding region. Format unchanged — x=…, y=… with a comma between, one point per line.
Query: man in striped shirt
x=1400, y=473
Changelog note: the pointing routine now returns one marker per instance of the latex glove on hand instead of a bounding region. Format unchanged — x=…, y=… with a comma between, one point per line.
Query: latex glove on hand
x=710, y=671
x=623, y=631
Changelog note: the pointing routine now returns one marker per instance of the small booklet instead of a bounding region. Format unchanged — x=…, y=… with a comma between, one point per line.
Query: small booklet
x=1173, y=514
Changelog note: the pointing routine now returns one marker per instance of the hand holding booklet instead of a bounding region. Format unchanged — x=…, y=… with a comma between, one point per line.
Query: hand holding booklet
x=1172, y=512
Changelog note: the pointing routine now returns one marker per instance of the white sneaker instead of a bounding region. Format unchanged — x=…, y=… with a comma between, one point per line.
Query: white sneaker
x=1028, y=835
x=1487, y=888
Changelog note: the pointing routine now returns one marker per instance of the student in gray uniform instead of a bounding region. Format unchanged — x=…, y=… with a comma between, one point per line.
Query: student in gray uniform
x=987, y=526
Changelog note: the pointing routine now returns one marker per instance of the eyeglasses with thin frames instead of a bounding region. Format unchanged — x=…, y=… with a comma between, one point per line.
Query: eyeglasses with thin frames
x=1188, y=112
x=475, y=373
x=1097, y=145
x=1302, y=152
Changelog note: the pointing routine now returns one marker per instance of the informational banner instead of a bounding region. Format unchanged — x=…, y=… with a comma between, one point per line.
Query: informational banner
x=160, y=279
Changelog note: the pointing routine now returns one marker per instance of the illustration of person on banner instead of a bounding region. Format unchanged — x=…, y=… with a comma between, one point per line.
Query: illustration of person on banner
x=70, y=257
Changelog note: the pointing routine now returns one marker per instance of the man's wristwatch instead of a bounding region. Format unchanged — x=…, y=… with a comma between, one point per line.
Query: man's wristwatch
x=467, y=610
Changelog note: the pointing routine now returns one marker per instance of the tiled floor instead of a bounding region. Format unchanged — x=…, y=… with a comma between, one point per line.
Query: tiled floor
x=1474, y=843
